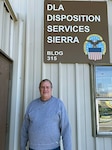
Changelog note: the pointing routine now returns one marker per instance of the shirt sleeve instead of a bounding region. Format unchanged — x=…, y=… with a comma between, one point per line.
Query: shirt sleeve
x=65, y=129
x=24, y=132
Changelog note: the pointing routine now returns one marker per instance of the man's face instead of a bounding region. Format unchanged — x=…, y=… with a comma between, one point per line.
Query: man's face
x=45, y=90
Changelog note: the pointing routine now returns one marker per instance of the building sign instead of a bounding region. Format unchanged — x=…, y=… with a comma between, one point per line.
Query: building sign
x=75, y=32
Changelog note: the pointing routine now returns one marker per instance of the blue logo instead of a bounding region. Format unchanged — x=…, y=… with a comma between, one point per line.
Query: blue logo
x=94, y=47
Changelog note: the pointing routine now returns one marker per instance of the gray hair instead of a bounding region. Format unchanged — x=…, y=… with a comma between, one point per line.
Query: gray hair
x=44, y=81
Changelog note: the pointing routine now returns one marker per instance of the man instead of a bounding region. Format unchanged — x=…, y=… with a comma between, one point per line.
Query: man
x=45, y=122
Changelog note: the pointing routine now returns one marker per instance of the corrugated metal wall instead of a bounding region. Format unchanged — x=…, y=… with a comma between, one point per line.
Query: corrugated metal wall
x=12, y=44
x=23, y=42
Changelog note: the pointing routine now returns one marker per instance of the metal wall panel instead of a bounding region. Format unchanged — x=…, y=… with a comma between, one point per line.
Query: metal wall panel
x=109, y=4
x=1, y=23
x=12, y=44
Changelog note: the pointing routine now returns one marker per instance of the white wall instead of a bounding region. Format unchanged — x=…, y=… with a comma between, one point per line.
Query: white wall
x=23, y=42
x=12, y=44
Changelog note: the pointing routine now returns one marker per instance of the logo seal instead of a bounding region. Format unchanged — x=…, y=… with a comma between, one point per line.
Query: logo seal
x=94, y=47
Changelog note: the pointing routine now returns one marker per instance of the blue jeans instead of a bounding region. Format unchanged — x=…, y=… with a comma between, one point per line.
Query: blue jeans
x=58, y=148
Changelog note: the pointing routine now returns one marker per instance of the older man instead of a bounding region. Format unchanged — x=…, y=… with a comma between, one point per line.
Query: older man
x=45, y=122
